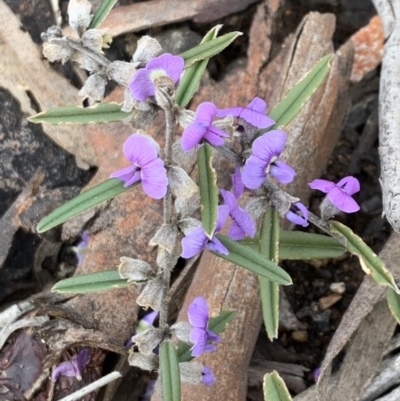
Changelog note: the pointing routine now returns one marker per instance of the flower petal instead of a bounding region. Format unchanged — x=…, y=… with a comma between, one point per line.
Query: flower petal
x=282, y=172
x=254, y=174
x=343, y=200
x=238, y=186
x=269, y=145
x=198, y=313
x=141, y=86
x=349, y=184
x=150, y=317
x=257, y=119
x=211, y=336
x=205, y=113
x=257, y=104
x=223, y=213
x=129, y=175
x=229, y=199
x=233, y=111
x=192, y=135
x=214, y=135
x=194, y=243
x=296, y=218
x=235, y=232
x=208, y=378
x=140, y=149
x=172, y=65
x=216, y=245
x=83, y=358
x=243, y=220
x=322, y=185
x=199, y=338
x=154, y=179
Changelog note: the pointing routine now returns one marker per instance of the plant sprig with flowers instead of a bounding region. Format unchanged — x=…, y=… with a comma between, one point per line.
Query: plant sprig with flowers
x=250, y=139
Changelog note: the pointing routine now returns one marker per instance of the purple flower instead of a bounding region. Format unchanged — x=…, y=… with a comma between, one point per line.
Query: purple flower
x=264, y=160
x=254, y=113
x=200, y=335
x=73, y=367
x=81, y=248
x=238, y=186
x=142, y=83
x=146, y=166
x=242, y=223
x=208, y=377
x=143, y=324
x=298, y=214
x=316, y=374
x=202, y=128
x=340, y=194
x=197, y=240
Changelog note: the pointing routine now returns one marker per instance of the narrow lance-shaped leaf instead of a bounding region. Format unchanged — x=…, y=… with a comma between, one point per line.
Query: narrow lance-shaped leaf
x=295, y=98
x=370, y=262
x=101, y=13
x=99, y=113
x=275, y=388
x=216, y=324
x=269, y=290
x=393, y=300
x=252, y=260
x=208, y=189
x=192, y=76
x=169, y=371
x=93, y=282
x=209, y=49
x=84, y=201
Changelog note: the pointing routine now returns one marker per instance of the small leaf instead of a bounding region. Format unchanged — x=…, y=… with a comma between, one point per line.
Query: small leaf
x=370, y=262
x=169, y=371
x=101, y=13
x=99, y=113
x=208, y=189
x=93, y=282
x=252, y=260
x=84, y=201
x=275, y=388
x=269, y=290
x=393, y=300
x=297, y=245
x=295, y=98
x=192, y=77
x=216, y=324
x=209, y=49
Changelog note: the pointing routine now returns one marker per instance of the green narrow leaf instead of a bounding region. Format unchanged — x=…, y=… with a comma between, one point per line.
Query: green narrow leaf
x=370, y=262
x=99, y=113
x=84, y=201
x=269, y=290
x=192, y=76
x=169, y=371
x=275, y=388
x=302, y=246
x=295, y=98
x=252, y=260
x=216, y=324
x=209, y=49
x=208, y=189
x=393, y=300
x=93, y=282
x=101, y=13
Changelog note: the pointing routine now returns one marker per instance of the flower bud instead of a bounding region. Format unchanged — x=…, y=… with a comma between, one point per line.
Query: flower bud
x=54, y=52
x=79, y=15
x=164, y=92
x=187, y=207
x=93, y=39
x=180, y=183
x=182, y=331
x=184, y=159
x=143, y=361
x=148, y=340
x=165, y=237
x=94, y=87
x=121, y=72
x=135, y=270
x=151, y=295
x=188, y=224
x=191, y=372
x=147, y=48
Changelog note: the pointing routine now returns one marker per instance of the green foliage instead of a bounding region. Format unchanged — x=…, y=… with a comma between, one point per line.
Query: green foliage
x=101, y=13
x=84, y=201
x=275, y=388
x=93, y=282
x=169, y=372
x=97, y=114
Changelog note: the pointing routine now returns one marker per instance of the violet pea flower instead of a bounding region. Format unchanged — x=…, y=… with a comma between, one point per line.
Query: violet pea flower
x=207, y=376
x=81, y=249
x=143, y=324
x=237, y=183
x=242, y=223
x=146, y=166
x=340, y=194
x=202, y=128
x=197, y=240
x=253, y=113
x=265, y=160
x=73, y=367
x=298, y=214
x=142, y=83
x=200, y=335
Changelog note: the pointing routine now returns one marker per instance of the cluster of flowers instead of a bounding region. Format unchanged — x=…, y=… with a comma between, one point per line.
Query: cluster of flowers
x=147, y=166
